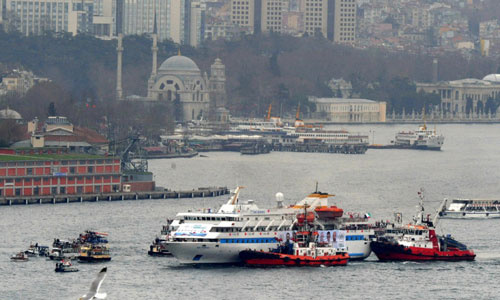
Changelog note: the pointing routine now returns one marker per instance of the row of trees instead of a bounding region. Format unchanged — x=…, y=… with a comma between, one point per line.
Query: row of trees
x=260, y=69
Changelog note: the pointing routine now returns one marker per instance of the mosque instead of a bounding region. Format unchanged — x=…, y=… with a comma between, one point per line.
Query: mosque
x=180, y=81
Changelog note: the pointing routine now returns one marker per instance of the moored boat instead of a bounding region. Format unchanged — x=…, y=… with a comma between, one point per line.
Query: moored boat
x=419, y=242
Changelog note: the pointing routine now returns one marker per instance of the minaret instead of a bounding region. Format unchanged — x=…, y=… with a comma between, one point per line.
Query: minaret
x=119, y=50
x=154, y=50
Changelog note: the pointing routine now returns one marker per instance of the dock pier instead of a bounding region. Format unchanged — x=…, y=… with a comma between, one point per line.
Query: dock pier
x=119, y=196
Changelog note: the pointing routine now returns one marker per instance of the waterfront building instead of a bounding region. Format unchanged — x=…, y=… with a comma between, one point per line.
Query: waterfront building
x=59, y=132
x=344, y=110
x=73, y=16
x=461, y=97
x=334, y=19
x=31, y=172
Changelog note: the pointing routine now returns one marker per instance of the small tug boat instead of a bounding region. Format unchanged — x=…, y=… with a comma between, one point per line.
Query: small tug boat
x=158, y=248
x=306, y=250
x=94, y=253
x=21, y=256
x=65, y=266
x=419, y=242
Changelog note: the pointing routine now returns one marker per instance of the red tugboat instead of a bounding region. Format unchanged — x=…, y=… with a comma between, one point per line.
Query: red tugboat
x=419, y=242
x=304, y=251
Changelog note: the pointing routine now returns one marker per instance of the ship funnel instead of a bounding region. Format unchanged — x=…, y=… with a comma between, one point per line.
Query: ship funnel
x=279, y=199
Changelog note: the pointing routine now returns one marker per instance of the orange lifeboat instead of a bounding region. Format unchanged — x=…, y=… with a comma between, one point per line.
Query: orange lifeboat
x=325, y=212
x=309, y=218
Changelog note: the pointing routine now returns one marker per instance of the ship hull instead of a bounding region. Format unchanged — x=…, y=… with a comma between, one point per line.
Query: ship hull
x=387, y=251
x=468, y=215
x=223, y=253
x=93, y=259
x=269, y=259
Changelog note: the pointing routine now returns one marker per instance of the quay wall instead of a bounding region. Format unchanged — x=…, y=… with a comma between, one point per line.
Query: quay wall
x=119, y=196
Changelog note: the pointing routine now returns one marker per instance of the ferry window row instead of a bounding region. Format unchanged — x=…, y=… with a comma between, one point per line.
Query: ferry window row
x=199, y=218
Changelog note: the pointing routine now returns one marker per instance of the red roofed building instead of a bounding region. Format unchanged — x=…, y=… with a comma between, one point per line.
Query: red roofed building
x=59, y=132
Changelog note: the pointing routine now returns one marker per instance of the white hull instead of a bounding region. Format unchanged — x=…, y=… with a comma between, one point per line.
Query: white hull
x=469, y=215
x=222, y=253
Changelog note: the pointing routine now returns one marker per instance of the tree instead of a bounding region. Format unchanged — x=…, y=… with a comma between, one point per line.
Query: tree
x=51, y=111
x=10, y=132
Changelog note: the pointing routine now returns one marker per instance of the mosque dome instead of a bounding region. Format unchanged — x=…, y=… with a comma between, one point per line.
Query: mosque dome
x=9, y=114
x=492, y=78
x=179, y=63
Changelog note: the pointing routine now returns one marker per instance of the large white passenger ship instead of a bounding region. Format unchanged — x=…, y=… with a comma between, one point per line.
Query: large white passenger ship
x=218, y=237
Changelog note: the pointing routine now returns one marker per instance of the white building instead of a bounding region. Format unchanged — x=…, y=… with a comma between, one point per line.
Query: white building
x=181, y=21
x=343, y=110
x=457, y=95
x=179, y=81
x=73, y=16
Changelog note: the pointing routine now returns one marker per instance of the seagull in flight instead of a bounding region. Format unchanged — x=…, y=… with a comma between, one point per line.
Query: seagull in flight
x=93, y=292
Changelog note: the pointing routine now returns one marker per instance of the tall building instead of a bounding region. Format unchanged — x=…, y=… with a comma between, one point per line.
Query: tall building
x=181, y=21
x=255, y=16
x=271, y=15
x=243, y=14
x=138, y=17
x=73, y=16
x=334, y=19
x=194, y=24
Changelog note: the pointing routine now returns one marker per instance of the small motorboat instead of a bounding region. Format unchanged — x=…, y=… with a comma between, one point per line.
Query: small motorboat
x=21, y=256
x=158, y=248
x=65, y=266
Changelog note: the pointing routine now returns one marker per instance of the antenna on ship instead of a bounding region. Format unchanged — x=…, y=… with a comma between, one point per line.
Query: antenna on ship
x=316, y=187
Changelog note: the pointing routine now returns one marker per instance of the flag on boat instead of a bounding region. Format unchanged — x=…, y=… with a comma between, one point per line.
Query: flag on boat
x=368, y=215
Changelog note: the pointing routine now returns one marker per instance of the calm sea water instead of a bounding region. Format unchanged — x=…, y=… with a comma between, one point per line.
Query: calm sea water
x=380, y=182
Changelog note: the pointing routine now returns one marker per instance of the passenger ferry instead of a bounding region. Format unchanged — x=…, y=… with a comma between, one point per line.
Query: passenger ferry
x=471, y=209
x=218, y=237
x=422, y=138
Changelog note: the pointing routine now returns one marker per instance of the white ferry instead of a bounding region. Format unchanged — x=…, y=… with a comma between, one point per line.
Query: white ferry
x=422, y=138
x=471, y=209
x=218, y=237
